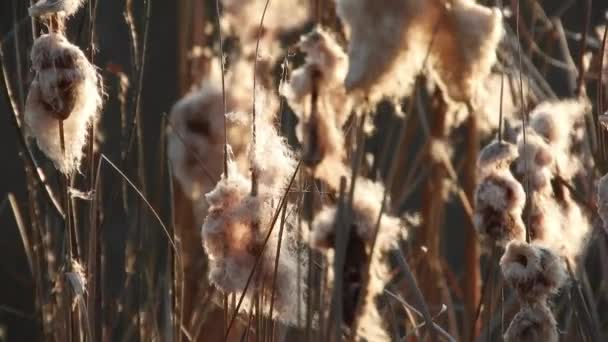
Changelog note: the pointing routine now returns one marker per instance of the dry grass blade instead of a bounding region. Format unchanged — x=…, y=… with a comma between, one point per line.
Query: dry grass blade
x=143, y=198
x=22, y=230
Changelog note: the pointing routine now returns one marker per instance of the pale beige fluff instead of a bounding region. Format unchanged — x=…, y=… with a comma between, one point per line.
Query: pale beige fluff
x=499, y=197
x=602, y=199
x=575, y=229
x=387, y=43
x=536, y=161
x=325, y=64
x=533, y=323
x=464, y=48
x=238, y=223
x=233, y=236
x=496, y=156
x=66, y=87
x=195, y=137
x=326, y=59
x=499, y=204
x=534, y=271
x=557, y=123
x=364, y=216
x=49, y=7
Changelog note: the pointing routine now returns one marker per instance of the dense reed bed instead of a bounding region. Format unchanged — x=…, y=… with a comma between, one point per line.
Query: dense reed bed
x=390, y=170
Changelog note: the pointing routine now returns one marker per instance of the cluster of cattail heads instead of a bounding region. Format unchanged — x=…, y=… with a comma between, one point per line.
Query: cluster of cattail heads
x=543, y=161
x=63, y=100
x=390, y=41
x=536, y=273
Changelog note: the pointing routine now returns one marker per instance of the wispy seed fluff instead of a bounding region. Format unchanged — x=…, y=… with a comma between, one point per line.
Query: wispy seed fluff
x=499, y=197
x=602, y=200
x=533, y=323
x=384, y=52
x=49, y=7
x=325, y=68
x=196, y=136
x=464, y=48
x=561, y=124
x=66, y=88
x=555, y=219
x=534, y=271
x=366, y=209
x=237, y=224
x=389, y=40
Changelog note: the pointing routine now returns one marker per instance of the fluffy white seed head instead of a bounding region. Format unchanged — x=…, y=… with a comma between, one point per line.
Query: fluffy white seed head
x=499, y=204
x=531, y=324
x=66, y=89
x=534, y=271
x=48, y=7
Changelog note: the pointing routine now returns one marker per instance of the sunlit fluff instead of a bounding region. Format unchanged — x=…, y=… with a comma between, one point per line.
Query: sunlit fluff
x=66, y=89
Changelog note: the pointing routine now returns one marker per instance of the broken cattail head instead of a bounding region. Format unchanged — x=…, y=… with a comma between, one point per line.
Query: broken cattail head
x=499, y=203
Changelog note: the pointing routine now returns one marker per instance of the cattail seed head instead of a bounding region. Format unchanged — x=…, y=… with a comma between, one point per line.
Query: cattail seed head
x=65, y=89
x=464, y=47
x=531, y=324
x=496, y=156
x=499, y=203
x=534, y=271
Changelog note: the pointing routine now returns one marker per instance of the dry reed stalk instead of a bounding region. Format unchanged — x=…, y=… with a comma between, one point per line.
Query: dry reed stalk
x=428, y=239
x=471, y=246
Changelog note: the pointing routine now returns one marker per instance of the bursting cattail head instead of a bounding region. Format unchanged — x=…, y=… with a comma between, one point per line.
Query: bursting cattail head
x=533, y=323
x=48, y=7
x=464, y=47
x=363, y=221
x=534, y=271
x=560, y=124
x=233, y=236
x=499, y=203
x=536, y=161
x=496, y=156
x=66, y=89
